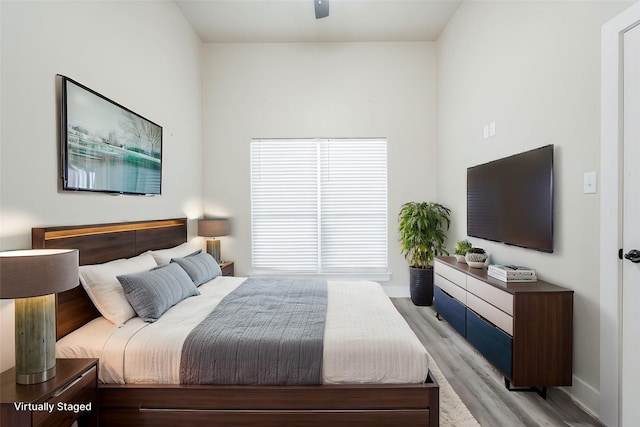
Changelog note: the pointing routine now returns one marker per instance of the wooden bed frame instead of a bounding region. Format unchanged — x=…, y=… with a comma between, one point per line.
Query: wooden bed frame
x=159, y=405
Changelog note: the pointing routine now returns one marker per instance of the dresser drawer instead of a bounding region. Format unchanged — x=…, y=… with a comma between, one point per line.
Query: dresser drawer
x=67, y=401
x=451, y=274
x=493, y=343
x=498, y=317
x=452, y=289
x=501, y=299
x=450, y=309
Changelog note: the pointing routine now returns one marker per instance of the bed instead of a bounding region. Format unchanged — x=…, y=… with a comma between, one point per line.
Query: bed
x=129, y=398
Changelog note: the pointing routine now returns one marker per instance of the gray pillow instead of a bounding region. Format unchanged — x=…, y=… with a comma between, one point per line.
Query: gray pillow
x=153, y=292
x=200, y=266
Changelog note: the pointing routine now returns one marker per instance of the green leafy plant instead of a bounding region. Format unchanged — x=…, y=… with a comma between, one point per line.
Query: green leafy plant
x=462, y=247
x=422, y=227
x=476, y=251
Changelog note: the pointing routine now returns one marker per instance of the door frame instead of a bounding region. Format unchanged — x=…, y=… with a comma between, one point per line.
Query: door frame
x=611, y=213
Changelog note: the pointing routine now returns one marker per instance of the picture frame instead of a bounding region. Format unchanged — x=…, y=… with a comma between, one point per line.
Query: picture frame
x=106, y=147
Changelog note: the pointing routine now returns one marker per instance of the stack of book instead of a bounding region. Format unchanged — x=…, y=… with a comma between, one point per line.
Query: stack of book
x=511, y=273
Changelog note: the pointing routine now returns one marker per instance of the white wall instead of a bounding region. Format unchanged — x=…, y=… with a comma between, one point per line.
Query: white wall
x=537, y=78
x=311, y=90
x=534, y=69
x=143, y=55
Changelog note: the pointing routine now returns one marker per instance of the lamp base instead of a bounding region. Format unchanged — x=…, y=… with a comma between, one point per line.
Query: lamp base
x=213, y=249
x=36, y=378
x=35, y=339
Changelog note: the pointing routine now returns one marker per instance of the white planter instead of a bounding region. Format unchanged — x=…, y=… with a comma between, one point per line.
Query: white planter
x=475, y=260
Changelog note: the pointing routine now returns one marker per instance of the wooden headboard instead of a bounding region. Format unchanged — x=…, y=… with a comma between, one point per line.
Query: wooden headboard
x=99, y=243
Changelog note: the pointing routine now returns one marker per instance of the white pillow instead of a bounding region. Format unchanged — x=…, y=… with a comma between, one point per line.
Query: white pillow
x=164, y=256
x=102, y=285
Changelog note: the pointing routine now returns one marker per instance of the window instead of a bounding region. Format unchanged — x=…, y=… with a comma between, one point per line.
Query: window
x=319, y=206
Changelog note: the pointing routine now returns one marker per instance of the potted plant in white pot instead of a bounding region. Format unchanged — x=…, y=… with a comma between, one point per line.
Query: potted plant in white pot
x=422, y=227
x=461, y=249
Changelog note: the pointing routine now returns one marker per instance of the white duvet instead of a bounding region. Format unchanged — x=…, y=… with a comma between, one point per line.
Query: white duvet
x=366, y=340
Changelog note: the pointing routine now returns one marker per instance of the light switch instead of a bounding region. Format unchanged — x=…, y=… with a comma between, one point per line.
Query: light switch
x=590, y=182
x=492, y=129
x=485, y=131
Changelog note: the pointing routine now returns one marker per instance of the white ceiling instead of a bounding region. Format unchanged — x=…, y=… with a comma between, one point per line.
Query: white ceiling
x=279, y=21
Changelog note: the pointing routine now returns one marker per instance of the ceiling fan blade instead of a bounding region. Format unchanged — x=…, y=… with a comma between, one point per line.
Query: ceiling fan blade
x=322, y=8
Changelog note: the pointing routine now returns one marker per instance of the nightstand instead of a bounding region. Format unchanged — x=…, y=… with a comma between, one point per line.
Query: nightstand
x=69, y=396
x=227, y=268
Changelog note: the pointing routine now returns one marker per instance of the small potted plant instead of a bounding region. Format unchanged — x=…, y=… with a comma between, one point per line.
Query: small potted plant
x=476, y=257
x=461, y=249
x=422, y=227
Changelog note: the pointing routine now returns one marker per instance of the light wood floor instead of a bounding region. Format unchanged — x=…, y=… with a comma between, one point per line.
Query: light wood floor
x=480, y=386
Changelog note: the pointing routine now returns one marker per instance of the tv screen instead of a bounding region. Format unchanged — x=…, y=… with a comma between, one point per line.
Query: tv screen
x=106, y=147
x=510, y=200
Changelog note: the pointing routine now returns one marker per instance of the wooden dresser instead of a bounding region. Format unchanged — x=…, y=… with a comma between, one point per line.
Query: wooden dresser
x=524, y=329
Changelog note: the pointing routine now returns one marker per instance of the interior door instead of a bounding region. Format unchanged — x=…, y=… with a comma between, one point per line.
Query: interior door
x=630, y=379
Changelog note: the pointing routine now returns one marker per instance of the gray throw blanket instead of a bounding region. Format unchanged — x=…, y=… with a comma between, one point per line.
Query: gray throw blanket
x=265, y=332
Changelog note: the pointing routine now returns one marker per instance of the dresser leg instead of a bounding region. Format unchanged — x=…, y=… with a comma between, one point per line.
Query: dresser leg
x=542, y=392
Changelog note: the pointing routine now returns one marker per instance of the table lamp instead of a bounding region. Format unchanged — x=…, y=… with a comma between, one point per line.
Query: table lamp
x=32, y=277
x=213, y=228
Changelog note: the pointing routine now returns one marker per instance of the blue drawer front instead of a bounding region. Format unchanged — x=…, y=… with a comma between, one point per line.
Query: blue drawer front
x=451, y=310
x=493, y=343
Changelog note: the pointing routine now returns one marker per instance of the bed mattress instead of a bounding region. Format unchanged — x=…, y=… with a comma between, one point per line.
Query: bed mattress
x=366, y=340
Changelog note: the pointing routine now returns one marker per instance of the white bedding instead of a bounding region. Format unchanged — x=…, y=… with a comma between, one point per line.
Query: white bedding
x=366, y=339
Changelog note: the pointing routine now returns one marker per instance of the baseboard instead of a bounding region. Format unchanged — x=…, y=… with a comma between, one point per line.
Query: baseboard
x=397, y=291
x=585, y=396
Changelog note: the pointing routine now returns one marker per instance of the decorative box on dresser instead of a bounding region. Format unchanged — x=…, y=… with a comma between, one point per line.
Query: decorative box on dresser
x=525, y=329
x=69, y=396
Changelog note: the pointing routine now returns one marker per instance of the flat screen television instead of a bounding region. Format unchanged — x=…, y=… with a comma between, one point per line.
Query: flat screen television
x=106, y=147
x=510, y=200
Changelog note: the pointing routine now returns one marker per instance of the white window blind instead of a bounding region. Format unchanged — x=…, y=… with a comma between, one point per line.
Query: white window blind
x=319, y=206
